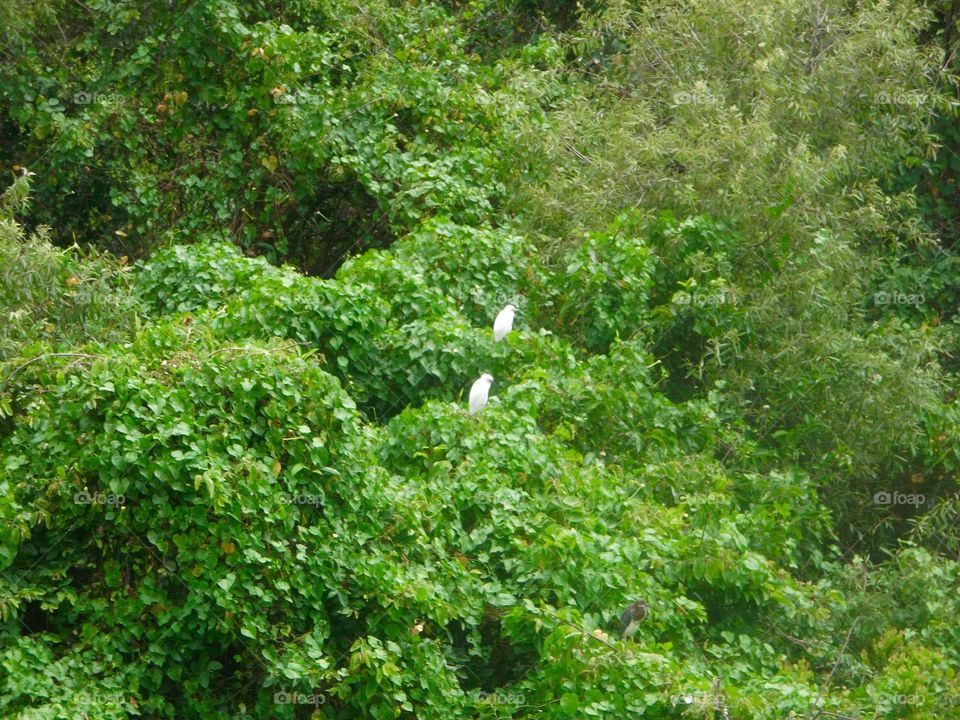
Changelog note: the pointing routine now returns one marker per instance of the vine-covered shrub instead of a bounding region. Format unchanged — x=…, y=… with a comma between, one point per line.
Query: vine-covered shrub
x=389, y=325
x=187, y=278
x=480, y=268
x=210, y=492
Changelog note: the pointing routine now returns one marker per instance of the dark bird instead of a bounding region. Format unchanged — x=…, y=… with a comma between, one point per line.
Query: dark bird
x=631, y=618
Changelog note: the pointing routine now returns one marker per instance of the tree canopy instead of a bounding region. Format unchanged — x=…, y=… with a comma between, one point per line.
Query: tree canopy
x=250, y=258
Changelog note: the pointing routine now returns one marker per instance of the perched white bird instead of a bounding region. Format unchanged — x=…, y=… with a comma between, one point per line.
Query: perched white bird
x=504, y=323
x=479, y=392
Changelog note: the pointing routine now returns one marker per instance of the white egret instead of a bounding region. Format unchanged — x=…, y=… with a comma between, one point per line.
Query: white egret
x=479, y=392
x=504, y=323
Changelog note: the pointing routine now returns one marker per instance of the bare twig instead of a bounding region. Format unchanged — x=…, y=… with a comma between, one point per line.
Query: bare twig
x=819, y=27
x=254, y=350
x=803, y=643
x=579, y=154
x=582, y=630
x=833, y=670
x=44, y=357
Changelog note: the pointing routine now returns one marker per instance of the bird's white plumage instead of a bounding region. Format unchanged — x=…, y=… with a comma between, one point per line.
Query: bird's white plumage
x=480, y=392
x=504, y=323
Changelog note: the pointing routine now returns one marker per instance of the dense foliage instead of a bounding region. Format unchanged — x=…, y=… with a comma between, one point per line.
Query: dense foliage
x=250, y=254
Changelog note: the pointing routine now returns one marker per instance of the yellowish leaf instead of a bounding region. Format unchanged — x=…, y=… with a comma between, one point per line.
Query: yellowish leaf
x=270, y=162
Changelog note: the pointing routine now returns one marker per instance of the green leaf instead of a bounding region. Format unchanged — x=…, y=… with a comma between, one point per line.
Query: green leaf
x=227, y=581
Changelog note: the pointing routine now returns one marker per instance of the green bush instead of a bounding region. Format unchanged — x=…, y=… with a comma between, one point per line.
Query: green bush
x=301, y=131
x=57, y=298
x=203, y=275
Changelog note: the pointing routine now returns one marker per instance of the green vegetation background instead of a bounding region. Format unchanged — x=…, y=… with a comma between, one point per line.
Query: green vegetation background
x=250, y=254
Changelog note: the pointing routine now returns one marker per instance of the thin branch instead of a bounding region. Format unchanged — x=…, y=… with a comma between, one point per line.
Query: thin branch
x=253, y=350
x=48, y=355
x=803, y=643
x=583, y=630
x=833, y=670
x=579, y=154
